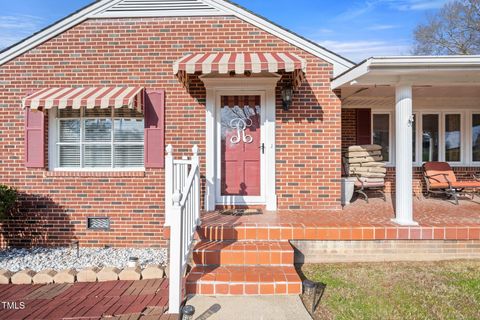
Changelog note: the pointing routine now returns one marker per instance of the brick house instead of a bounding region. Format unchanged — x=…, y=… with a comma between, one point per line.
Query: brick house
x=89, y=104
x=113, y=44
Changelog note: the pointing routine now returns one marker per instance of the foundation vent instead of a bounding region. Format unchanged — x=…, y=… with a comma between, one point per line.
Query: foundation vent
x=94, y=223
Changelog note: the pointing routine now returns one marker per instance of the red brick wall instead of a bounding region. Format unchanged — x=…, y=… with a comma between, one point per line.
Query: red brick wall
x=141, y=52
x=349, y=138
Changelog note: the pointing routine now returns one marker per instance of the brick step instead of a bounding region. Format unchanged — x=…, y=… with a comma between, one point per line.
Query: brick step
x=228, y=232
x=243, y=280
x=243, y=253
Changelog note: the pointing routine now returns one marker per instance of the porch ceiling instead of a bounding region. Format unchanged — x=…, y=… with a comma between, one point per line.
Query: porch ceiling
x=467, y=96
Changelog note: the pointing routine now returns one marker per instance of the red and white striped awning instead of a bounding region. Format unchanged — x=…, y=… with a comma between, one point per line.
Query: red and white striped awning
x=239, y=63
x=89, y=97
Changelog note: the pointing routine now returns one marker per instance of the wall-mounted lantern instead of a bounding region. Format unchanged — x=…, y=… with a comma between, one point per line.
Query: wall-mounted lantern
x=287, y=97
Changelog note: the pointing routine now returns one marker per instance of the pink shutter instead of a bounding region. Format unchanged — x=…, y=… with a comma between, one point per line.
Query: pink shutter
x=34, y=139
x=154, y=128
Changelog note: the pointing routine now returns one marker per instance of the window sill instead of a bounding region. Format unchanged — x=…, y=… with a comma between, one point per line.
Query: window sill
x=94, y=174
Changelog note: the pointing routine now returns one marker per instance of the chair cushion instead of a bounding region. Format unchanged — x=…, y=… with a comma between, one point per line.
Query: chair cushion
x=436, y=171
x=466, y=184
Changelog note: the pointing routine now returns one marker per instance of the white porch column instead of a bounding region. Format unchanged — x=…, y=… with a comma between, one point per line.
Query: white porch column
x=403, y=155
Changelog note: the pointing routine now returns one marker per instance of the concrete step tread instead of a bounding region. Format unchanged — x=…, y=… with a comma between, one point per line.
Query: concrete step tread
x=232, y=245
x=239, y=280
x=243, y=274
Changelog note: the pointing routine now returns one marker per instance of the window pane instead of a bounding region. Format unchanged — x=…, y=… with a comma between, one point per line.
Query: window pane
x=381, y=128
x=128, y=130
x=70, y=131
x=98, y=130
x=128, y=156
x=69, y=156
x=453, y=137
x=476, y=137
x=97, y=156
x=430, y=137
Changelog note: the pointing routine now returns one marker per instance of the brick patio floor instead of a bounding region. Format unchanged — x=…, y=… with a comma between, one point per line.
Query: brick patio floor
x=438, y=220
x=114, y=300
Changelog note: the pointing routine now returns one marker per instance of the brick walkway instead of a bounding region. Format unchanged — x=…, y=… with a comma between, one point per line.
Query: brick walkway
x=438, y=219
x=115, y=300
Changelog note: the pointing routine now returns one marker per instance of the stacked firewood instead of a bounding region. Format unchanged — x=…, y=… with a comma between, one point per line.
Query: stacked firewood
x=366, y=162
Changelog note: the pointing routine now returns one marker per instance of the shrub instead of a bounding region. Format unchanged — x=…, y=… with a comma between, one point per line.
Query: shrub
x=8, y=198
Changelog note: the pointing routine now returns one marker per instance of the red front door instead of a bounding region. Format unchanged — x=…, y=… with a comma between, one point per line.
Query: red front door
x=241, y=145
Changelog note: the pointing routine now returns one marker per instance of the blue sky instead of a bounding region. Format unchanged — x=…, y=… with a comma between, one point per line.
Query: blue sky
x=356, y=29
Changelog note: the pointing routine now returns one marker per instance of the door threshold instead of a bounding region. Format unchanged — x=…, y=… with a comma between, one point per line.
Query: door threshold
x=219, y=207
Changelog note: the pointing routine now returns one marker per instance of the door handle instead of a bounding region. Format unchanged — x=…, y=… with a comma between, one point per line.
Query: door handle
x=262, y=147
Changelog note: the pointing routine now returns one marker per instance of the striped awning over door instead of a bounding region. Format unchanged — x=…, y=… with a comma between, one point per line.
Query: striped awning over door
x=88, y=97
x=240, y=63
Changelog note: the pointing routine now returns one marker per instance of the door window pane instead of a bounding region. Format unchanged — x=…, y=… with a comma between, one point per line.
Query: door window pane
x=381, y=135
x=453, y=137
x=476, y=137
x=430, y=137
x=240, y=146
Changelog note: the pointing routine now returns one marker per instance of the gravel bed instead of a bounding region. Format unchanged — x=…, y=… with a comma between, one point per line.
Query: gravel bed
x=39, y=259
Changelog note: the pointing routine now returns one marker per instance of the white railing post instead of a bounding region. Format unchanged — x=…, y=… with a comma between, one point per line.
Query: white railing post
x=168, y=184
x=182, y=207
x=196, y=186
x=176, y=245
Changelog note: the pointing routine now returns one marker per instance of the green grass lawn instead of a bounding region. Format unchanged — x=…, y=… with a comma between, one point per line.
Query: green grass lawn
x=398, y=290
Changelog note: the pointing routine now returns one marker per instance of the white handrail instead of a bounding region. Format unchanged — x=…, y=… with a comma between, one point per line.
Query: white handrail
x=182, y=206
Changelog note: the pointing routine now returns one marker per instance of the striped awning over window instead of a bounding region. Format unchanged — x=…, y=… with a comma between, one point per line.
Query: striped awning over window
x=89, y=97
x=239, y=63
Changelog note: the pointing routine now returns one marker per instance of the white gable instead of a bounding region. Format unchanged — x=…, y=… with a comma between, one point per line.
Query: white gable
x=173, y=8
x=149, y=8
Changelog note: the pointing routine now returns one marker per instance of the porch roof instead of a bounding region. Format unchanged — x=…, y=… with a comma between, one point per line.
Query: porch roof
x=414, y=70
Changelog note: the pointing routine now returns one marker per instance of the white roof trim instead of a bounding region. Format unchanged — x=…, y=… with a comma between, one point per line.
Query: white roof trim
x=400, y=63
x=340, y=64
x=96, y=10
x=54, y=30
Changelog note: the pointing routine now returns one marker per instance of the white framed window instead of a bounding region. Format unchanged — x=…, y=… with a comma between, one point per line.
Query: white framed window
x=474, y=138
x=445, y=135
x=415, y=145
x=382, y=134
x=453, y=140
x=429, y=137
x=97, y=139
x=440, y=136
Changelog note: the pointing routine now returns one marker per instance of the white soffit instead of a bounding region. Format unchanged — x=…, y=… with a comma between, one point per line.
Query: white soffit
x=173, y=8
x=394, y=69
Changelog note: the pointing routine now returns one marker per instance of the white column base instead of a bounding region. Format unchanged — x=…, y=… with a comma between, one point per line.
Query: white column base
x=405, y=223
